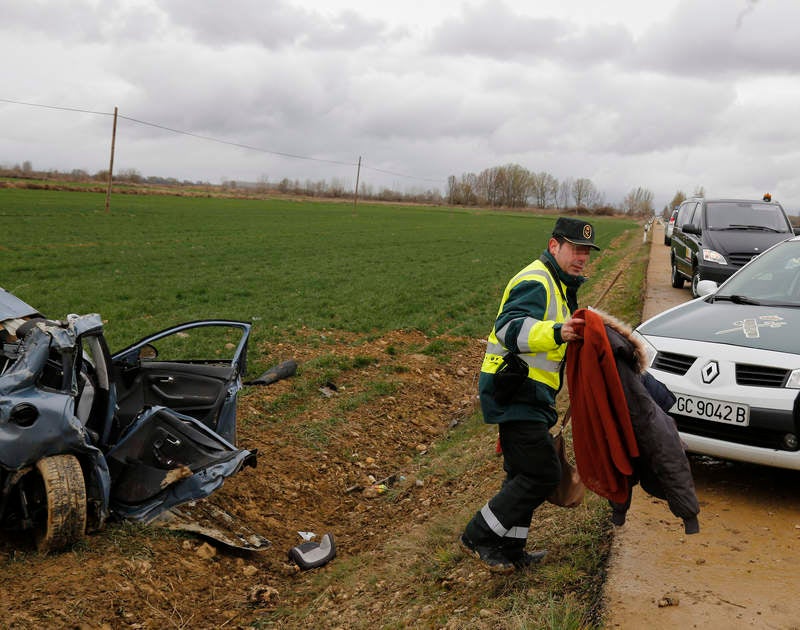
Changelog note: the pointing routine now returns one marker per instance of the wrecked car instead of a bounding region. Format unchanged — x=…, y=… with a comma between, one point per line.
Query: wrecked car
x=86, y=435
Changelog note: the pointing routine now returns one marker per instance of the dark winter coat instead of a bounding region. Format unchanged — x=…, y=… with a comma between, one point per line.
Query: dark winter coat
x=661, y=466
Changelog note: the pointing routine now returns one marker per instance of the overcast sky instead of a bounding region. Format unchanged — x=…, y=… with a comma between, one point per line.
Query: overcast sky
x=668, y=95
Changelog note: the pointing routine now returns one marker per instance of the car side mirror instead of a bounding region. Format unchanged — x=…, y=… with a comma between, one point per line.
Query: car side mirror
x=690, y=228
x=796, y=230
x=147, y=352
x=706, y=287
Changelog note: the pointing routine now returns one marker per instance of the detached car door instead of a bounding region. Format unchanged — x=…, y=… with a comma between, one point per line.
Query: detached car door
x=175, y=437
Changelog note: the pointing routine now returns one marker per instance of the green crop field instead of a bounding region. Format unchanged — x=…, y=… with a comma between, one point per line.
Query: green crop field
x=153, y=261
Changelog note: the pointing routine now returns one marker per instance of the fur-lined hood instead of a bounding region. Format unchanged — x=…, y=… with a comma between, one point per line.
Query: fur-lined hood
x=623, y=343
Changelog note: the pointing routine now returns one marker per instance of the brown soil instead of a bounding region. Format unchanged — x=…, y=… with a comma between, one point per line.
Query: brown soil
x=740, y=571
x=319, y=455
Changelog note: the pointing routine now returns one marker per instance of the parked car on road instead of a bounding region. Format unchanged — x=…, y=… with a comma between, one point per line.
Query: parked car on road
x=85, y=434
x=732, y=359
x=670, y=226
x=712, y=238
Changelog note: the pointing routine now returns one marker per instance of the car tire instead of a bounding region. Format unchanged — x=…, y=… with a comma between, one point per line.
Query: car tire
x=677, y=278
x=667, y=240
x=695, y=280
x=62, y=520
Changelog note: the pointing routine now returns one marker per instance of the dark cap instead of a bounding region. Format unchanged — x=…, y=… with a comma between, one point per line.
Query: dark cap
x=575, y=231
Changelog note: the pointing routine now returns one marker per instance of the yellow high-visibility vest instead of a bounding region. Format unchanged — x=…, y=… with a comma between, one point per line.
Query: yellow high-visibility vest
x=535, y=339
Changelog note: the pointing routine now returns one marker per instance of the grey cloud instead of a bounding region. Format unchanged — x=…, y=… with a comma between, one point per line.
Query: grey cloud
x=71, y=22
x=708, y=38
x=269, y=23
x=601, y=111
x=243, y=90
x=492, y=30
x=599, y=44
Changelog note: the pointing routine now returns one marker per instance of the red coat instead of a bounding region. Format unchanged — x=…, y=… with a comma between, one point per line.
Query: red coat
x=602, y=433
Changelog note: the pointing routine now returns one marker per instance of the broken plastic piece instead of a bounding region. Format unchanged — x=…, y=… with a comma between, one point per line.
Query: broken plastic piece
x=311, y=555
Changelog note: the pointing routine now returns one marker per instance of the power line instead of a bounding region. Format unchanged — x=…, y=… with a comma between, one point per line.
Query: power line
x=66, y=109
x=235, y=144
x=219, y=141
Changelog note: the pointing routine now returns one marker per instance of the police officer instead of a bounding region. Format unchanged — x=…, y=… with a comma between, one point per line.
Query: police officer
x=520, y=377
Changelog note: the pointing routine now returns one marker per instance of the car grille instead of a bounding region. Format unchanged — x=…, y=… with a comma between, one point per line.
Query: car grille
x=748, y=375
x=739, y=259
x=760, y=376
x=673, y=363
x=751, y=436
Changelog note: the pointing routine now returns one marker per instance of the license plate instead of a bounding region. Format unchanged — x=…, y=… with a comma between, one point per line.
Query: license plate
x=713, y=410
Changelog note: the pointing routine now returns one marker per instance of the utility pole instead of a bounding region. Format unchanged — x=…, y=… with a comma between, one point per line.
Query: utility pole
x=355, y=197
x=111, y=164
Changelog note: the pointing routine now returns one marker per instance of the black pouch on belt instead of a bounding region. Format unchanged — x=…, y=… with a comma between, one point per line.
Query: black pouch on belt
x=509, y=378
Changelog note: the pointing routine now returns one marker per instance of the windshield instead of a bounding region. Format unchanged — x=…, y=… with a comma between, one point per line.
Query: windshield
x=727, y=215
x=771, y=278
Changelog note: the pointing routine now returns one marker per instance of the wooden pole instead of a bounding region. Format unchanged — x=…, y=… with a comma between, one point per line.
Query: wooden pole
x=358, y=175
x=111, y=163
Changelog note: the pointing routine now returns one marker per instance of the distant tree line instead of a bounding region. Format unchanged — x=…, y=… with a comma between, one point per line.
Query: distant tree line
x=514, y=186
x=508, y=186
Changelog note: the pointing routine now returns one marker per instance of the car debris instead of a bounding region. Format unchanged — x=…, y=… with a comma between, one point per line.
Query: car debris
x=275, y=373
x=310, y=555
x=86, y=435
x=208, y=520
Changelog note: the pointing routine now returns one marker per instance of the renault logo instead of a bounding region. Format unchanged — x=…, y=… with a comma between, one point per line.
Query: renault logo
x=710, y=371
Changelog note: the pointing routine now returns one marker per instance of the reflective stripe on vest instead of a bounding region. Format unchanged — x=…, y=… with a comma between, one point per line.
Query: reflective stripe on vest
x=543, y=366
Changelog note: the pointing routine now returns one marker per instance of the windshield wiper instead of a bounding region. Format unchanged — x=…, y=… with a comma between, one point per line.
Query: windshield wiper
x=750, y=227
x=737, y=299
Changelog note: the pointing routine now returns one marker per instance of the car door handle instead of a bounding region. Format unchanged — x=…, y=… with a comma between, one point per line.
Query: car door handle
x=166, y=379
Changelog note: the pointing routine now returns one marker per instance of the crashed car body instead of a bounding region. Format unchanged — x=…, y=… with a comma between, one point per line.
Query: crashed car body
x=85, y=434
x=732, y=360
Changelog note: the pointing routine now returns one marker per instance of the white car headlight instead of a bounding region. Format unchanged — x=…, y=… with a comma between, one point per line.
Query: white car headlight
x=793, y=382
x=649, y=349
x=709, y=255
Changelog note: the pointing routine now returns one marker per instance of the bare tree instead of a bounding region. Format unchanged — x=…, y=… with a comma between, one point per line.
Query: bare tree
x=452, y=190
x=638, y=202
x=469, y=189
x=564, y=193
x=584, y=193
x=544, y=189
x=517, y=183
x=677, y=199
x=490, y=185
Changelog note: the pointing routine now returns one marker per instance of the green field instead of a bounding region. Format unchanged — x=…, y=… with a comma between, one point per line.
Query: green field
x=153, y=261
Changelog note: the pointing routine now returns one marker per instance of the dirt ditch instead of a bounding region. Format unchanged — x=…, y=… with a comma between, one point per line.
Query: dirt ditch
x=319, y=457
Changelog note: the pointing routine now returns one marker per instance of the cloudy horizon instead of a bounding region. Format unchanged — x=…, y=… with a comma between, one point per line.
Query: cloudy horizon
x=681, y=95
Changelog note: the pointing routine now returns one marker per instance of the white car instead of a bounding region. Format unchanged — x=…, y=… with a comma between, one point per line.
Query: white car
x=732, y=359
x=670, y=227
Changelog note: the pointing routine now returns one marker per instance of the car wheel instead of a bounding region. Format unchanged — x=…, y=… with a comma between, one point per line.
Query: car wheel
x=666, y=240
x=677, y=278
x=695, y=280
x=61, y=494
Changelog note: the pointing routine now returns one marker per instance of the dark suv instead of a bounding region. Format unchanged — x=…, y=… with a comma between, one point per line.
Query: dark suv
x=712, y=238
